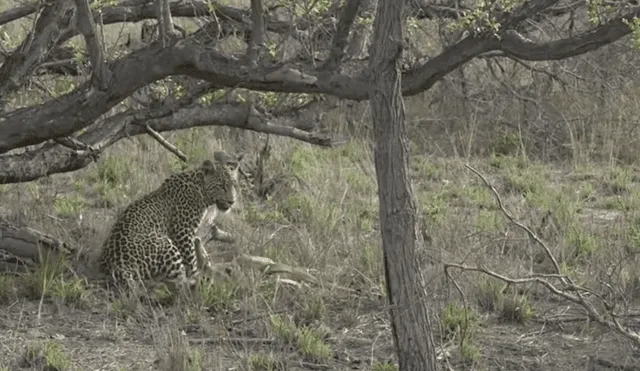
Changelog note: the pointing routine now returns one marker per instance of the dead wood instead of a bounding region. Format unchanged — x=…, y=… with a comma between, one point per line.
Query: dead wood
x=22, y=247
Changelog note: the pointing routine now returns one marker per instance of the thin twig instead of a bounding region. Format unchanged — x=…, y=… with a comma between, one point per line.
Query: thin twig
x=72, y=143
x=173, y=149
x=513, y=220
x=571, y=291
x=235, y=341
x=592, y=312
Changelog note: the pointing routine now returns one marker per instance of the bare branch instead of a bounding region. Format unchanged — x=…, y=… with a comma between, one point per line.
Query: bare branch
x=342, y=33
x=28, y=245
x=78, y=109
x=516, y=45
x=524, y=11
x=55, y=18
x=611, y=323
x=73, y=143
x=167, y=29
x=101, y=75
x=256, y=44
x=173, y=149
x=17, y=13
x=52, y=158
x=570, y=291
x=513, y=220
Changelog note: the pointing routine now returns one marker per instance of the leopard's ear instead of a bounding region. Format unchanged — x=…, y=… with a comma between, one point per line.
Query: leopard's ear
x=220, y=156
x=227, y=159
x=208, y=167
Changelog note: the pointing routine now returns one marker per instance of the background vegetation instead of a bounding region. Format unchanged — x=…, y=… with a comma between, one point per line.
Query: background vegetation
x=556, y=139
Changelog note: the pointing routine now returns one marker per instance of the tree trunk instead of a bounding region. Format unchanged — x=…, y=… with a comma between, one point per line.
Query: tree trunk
x=405, y=286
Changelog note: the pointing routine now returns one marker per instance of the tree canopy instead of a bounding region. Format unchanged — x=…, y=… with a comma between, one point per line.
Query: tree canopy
x=325, y=64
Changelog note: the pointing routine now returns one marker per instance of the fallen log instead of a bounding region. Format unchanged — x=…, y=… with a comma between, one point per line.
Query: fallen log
x=22, y=247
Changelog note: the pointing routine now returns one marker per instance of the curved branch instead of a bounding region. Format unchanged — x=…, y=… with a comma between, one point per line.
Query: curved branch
x=17, y=13
x=424, y=76
x=78, y=109
x=55, y=158
x=515, y=45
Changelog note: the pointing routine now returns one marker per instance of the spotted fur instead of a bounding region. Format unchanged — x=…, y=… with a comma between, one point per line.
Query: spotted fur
x=153, y=238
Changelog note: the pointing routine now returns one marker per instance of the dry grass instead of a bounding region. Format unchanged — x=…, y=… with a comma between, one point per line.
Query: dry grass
x=323, y=218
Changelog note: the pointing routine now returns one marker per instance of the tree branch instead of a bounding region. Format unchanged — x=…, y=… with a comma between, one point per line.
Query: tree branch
x=517, y=46
x=28, y=245
x=167, y=31
x=74, y=111
x=508, y=20
x=256, y=44
x=339, y=43
x=54, y=158
x=420, y=8
x=78, y=109
x=50, y=31
x=101, y=75
x=514, y=45
x=170, y=147
x=424, y=76
x=17, y=13
x=56, y=17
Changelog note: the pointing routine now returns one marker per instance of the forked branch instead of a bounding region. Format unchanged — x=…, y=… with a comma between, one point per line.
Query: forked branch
x=101, y=76
x=339, y=41
x=609, y=320
x=54, y=19
x=56, y=158
x=569, y=290
x=513, y=220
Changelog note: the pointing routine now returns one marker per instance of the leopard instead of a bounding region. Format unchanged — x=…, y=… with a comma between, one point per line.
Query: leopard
x=154, y=238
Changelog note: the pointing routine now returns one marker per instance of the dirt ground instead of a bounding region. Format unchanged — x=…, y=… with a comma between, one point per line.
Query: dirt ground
x=252, y=322
x=96, y=339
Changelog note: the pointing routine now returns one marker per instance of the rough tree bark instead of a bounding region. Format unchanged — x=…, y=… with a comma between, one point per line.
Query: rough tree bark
x=22, y=247
x=405, y=288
